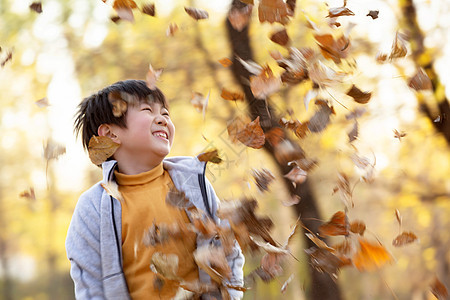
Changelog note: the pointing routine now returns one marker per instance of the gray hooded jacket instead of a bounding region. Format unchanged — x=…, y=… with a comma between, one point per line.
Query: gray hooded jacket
x=93, y=241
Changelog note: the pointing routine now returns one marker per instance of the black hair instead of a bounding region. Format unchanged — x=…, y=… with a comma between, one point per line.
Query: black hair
x=96, y=109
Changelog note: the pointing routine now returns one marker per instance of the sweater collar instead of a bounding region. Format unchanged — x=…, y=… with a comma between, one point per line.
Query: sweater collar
x=141, y=178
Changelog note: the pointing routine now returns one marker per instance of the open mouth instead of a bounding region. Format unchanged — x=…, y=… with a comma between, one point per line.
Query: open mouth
x=161, y=134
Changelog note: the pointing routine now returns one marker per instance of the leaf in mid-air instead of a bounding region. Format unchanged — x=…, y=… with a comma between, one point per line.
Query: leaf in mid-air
x=338, y=225
x=197, y=14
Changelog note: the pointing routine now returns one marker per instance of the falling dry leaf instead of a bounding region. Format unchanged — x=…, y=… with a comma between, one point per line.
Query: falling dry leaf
x=353, y=134
x=399, y=134
x=398, y=47
x=274, y=136
x=370, y=256
x=264, y=84
x=124, y=9
x=240, y=17
x=43, y=102
x=358, y=227
x=149, y=9
x=53, y=150
x=28, y=194
x=324, y=261
x=287, y=151
x=212, y=260
x=404, y=238
x=331, y=48
x=250, y=134
x=373, y=14
x=319, y=121
x=339, y=12
x=438, y=289
x=338, y=225
x=251, y=66
x=359, y=96
x=198, y=100
x=420, y=81
x=210, y=156
x=166, y=265
x=36, y=6
x=286, y=283
x=226, y=62
x=344, y=189
x=101, y=148
x=296, y=175
x=152, y=77
x=171, y=29
x=398, y=216
x=263, y=178
x=273, y=11
x=177, y=198
x=112, y=189
x=233, y=96
x=197, y=14
x=7, y=58
x=119, y=105
x=280, y=37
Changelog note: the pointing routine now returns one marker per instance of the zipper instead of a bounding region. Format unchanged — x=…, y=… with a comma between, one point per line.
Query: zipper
x=202, y=183
x=113, y=219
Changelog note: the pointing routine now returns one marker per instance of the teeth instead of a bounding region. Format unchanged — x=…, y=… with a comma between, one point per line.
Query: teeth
x=161, y=134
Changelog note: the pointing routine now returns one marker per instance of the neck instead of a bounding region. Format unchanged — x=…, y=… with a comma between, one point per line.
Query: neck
x=133, y=166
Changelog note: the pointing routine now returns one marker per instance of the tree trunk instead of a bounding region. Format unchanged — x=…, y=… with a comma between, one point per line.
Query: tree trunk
x=440, y=114
x=322, y=286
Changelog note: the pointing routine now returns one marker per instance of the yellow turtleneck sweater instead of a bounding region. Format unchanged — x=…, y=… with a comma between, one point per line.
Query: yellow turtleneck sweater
x=144, y=203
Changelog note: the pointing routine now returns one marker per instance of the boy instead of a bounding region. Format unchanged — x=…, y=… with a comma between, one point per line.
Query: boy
x=104, y=242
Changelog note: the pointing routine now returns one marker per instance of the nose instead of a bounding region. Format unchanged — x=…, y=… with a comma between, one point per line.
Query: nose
x=160, y=120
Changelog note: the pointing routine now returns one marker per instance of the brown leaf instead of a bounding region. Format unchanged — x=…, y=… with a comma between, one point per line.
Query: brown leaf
x=360, y=161
x=166, y=265
x=359, y=96
x=212, y=260
x=152, y=77
x=404, y=238
x=250, y=134
x=324, y=261
x=101, y=148
x=370, y=256
x=300, y=129
x=273, y=11
x=398, y=216
x=197, y=14
x=353, y=134
x=398, y=47
x=319, y=243
x=198, y=100
x=119, y=105
x=149, y=9
x=319, y=121
x=287, y=151
x=339, y=12
x=177, y=198
x=124, y=9
x=28, y=194
x=36, y=6
x=43, y=102
x=263, y=178
x=112, y=189
x=232, y=96
x=53, y=150
x=373, y=14
x=358, y=227
x=226, y=62
x=344, y=189
x=292, y=200
x=296, y=175
x=338, y=225
x=211, y=156
x=399, y=134
x=438, y=289
x=264, y=84
x=420, y=81
x=7, y=58
x=159, y=234
x=331, y=48
x=280, y=37
x=171, y=29
x=240, y=17
x=274, y=136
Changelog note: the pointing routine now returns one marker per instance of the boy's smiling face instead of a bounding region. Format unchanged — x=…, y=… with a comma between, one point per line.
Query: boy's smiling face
x=146, y=140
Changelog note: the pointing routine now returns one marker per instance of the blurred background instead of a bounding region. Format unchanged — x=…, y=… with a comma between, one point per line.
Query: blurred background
x=51, y=60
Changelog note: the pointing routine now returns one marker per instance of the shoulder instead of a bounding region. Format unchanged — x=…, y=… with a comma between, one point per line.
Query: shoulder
x=189, y=164
x=89, y=201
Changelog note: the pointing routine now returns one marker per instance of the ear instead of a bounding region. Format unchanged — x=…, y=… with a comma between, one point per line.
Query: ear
x=107, y=130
